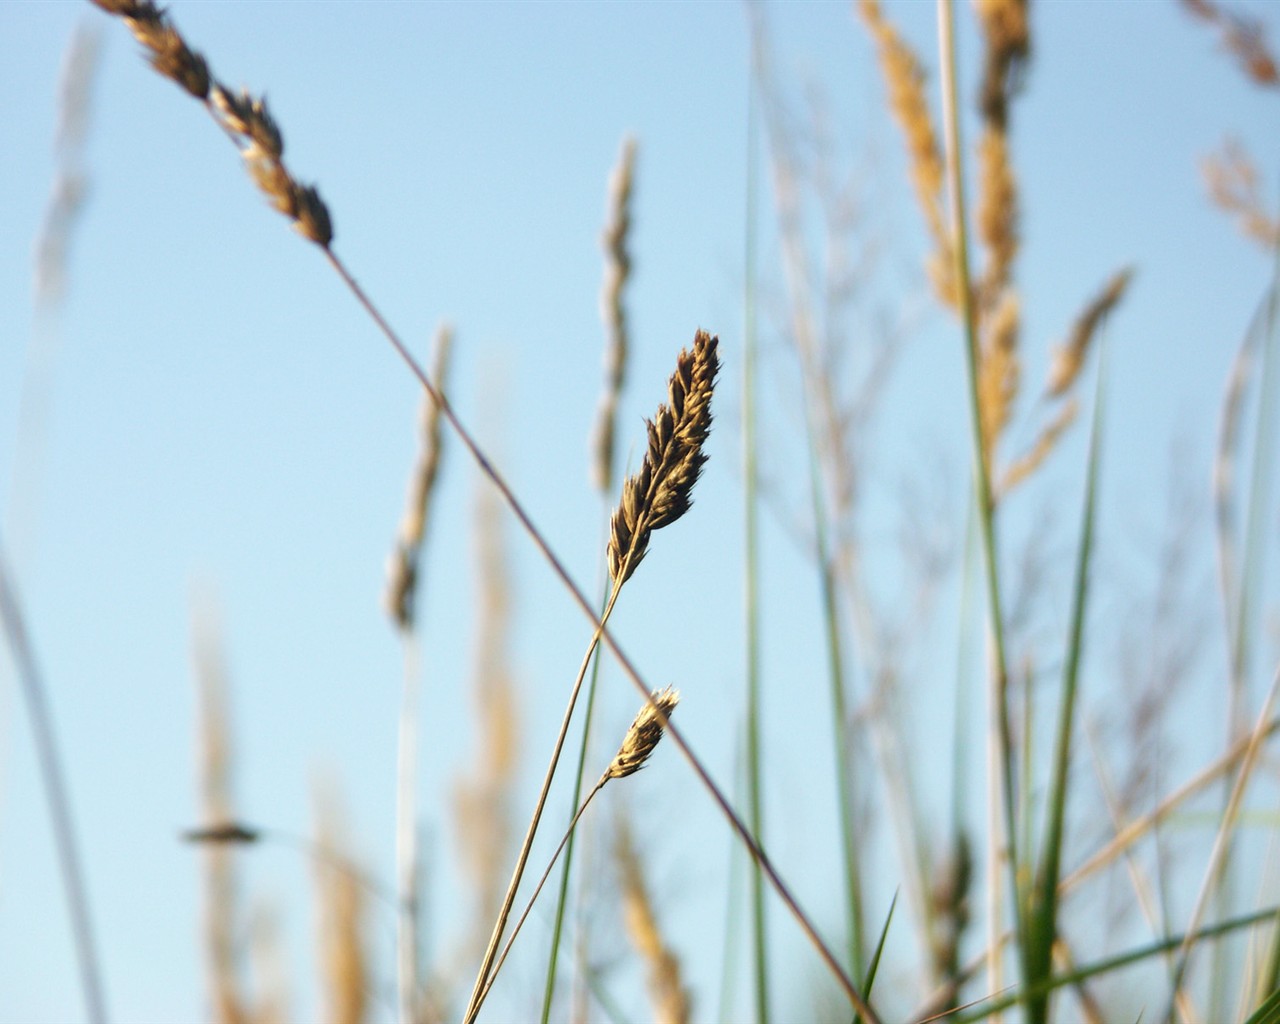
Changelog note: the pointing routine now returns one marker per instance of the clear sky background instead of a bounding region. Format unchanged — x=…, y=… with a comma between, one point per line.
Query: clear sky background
x=222, y=420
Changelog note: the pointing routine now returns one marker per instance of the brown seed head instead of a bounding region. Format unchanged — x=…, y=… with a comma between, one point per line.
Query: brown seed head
x=661, y=491
x=170, y=54
x=643, y=736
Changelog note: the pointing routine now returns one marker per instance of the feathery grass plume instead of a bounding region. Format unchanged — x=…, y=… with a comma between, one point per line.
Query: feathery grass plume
x=661, y=491
x=1243, y=36
x=482, y=801
x=905, y=78
x=671, y=1003
x=1006, y=50
x=1008, y=46
x=402, y=569
x=999, y=373
x=341, y=904
x=997, y=216
x=617, y=270
x=1232, y=180
x=1068, y=358
x=230, y=1002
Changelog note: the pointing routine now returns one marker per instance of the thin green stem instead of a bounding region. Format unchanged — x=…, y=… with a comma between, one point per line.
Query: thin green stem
x=1042, y=914
x=751, y=500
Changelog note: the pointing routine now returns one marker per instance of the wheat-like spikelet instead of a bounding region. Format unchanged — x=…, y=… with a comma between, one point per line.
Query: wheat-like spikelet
x=402, y=569
x=661, y=491
x=666, y=984
x=617, y=270
x=244, y=117
x=482, y=802
x=1068, y=358
x=905, y=79
x=643, y=736
x=341, y=900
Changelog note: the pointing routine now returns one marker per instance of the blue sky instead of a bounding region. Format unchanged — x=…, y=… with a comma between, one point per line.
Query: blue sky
x=223, y=421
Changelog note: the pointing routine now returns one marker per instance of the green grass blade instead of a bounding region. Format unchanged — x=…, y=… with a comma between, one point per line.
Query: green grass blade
x=1043, y=916
x=985, y=1009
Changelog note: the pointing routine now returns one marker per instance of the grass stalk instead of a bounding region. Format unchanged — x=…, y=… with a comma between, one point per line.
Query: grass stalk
x=1002, y=820
x=1226, y=830
x=751, y=559
x=70, y=864
x=245, y=121
x=988, y=1007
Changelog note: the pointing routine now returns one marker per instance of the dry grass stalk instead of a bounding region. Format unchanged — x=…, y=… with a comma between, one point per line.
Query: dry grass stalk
x=1233, y=185
x=671, y=1004
x=341, y=903
x=402, y=571
x=1068, y=359
x=617, y=270
x=244, y=117
x=905, y=78
x=661, y=491
x=1243, y=36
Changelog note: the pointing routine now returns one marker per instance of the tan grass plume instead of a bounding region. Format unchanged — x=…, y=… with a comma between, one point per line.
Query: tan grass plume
x=400, y=598
x=1232, y=180
x=344, y=967
x=667, y=991
x=904, y=77
x=661, y=491
x=617, y=271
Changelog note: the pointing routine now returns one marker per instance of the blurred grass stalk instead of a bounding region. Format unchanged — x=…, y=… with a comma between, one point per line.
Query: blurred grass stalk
x=1002, y=819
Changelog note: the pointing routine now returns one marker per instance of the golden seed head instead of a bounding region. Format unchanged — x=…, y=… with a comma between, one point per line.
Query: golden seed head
x=662, y=490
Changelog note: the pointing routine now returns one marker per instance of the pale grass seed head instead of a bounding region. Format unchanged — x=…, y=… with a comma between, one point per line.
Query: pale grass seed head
x=341, y=900
x=400, y=597
x=1232, y=180
x=997, y=215
x=999, y=373
x=1068, y=358
x=662, y=490
x=667, y=991
x=617, y=270
x=905, y=79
